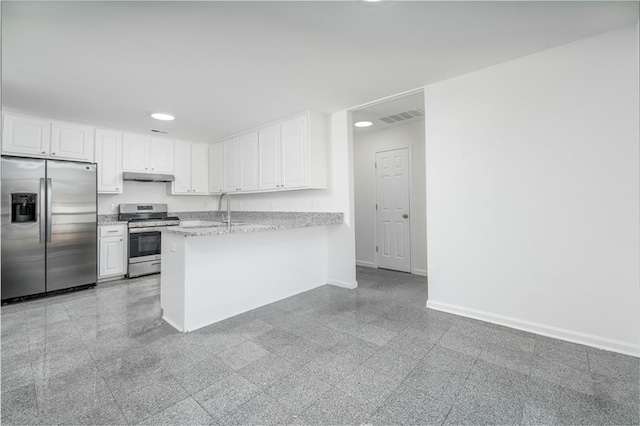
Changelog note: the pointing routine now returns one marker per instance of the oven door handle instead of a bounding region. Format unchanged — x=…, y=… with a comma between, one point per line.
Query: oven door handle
x=145, y=230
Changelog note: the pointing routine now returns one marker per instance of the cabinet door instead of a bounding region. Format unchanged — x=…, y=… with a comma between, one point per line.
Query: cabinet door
x=135, y=152
x=112, y=257
x=231, y=160
x=109, y=159
x=199, y=168
x=182, y=158
x=216, y=168
x=295, y=152
x=26, y=136
x=269, y=164
x=249, y=169
x=72, y=141
x=160, y=155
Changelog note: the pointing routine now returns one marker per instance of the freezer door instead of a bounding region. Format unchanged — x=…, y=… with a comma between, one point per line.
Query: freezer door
x=72, y=231
x=23, y=231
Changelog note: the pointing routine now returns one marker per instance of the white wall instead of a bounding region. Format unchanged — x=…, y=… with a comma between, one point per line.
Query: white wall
x=155, y=192
x=533, y=192
x=365, y=146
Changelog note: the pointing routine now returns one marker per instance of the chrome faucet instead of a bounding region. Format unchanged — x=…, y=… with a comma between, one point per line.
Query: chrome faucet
x=228, y=220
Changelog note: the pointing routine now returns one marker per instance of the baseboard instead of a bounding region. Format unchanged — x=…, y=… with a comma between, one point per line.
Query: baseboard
x=366, y=264
x=417, y=271
x=343, y=284
x=544, y=330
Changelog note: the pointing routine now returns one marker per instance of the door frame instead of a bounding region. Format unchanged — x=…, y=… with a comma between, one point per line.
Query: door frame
x=375, y=202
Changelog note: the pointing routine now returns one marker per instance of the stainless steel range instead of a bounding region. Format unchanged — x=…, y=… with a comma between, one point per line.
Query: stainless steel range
x=145, y=222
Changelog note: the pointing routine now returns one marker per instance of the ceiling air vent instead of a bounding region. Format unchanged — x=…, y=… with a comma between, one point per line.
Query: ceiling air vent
x=164, y=132
x=401, y=116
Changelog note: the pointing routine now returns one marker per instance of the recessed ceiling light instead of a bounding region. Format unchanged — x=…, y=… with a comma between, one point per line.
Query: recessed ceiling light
x=162, y=116
x=363, y=124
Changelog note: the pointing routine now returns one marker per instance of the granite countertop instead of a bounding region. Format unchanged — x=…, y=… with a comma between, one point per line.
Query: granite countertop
x=259, y=221
x=110, y=219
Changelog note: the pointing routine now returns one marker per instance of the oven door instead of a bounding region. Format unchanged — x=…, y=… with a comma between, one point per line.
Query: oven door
x=144, y=244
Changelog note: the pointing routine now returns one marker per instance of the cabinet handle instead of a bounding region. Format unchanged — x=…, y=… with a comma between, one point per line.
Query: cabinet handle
x=43, y=152
x=120, y=239
x=152, y=168
x=146, y=168
x=117, y=189
x=53, y=153
x=110, y=232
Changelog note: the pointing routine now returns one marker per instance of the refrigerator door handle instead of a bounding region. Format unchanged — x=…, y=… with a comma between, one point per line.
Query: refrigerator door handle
x=49, y=212
x=43, y=209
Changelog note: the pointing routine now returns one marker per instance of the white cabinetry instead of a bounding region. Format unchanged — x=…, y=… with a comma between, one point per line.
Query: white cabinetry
x=270, y=157
x=231, y=152
x=191, y=168
x=135, y=152
x=216, y=168
x=112, y=252
x=294, y=146
x=109, y=159
x=72, y=141
x=289, y=154
x=160, y=155
x=142, y=153
x=38, y=137
x=241, y=171
x=292, y=154
x=248, y=162
x=26, y=136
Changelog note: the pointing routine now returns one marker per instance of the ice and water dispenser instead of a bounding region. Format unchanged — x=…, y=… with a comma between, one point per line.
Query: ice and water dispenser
x=23, y=207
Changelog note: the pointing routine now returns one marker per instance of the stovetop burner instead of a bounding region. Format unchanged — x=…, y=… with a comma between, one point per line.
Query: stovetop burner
x=146, y=215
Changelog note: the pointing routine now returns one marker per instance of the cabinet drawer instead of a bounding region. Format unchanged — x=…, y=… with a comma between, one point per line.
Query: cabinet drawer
x=112, y=230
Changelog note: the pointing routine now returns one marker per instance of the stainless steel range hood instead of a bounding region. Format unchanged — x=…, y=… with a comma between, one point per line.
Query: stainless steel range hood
x=147, y=177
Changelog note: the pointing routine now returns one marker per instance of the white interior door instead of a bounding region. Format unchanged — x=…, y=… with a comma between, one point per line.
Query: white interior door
x=393, y=243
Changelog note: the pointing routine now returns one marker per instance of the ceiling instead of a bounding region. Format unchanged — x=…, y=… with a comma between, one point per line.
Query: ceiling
x=223, y=67
x=393, y=112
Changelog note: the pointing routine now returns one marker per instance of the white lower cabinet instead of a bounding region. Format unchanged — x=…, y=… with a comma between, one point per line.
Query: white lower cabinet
x=191, y=163
x=112, y=251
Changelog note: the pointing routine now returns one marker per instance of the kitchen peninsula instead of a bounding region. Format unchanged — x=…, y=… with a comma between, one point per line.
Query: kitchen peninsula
x=210, y=272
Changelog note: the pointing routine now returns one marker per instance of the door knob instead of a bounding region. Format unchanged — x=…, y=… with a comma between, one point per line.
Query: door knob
x=405, y=215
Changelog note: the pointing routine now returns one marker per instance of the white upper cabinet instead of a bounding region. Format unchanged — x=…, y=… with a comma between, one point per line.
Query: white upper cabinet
x=40, y=137
x=109, y=158
x=160, y=155
x=199, y=168
x=142, y=153
x=216, y=168
x=290, y=154
x=270, y=157
x=24, y=135
x=249, y=170
x=231, y=151
x=135, y=152
x=294, y=137
x=72, y=141
x=191, y=168
x=182, y=165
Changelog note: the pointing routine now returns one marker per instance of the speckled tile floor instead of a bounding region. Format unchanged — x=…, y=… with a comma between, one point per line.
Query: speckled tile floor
x=330, y=356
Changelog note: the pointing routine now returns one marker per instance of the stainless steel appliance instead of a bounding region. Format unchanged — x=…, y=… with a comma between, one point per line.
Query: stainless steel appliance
x=49, y=226
x=145, y=223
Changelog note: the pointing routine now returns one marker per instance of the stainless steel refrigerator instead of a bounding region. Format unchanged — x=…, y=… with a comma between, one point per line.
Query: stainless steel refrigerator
x=49, y=226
